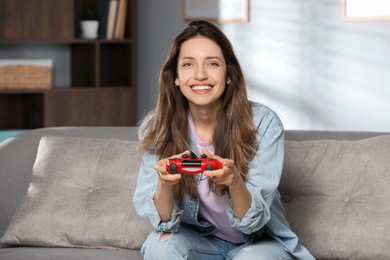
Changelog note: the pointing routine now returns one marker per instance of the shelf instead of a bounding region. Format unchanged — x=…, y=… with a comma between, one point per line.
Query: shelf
x=60, y=89
x=20, y=91
x=102, y=107
x=101, y=72
x=21, y=111
x=65, y=41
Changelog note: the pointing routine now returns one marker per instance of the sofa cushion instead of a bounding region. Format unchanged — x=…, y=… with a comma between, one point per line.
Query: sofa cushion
x=80, y=195
x=45, y=253
x=336, y=195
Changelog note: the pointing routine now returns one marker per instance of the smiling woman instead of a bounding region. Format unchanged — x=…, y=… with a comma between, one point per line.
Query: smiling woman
x=203, y=111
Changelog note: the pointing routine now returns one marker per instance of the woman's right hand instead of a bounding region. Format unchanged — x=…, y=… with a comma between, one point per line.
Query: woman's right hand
x=164, y=177
x=163, y=197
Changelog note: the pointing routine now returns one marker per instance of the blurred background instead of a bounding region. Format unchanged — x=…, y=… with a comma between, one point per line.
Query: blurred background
x=300, y=57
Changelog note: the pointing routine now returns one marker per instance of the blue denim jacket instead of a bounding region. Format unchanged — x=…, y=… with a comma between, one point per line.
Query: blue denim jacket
x=266, y=212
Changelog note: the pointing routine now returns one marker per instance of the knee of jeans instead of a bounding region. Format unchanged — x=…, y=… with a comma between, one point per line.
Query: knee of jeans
x=246, y=257
x=164, y=236
x=245, y=254
x=158, y=246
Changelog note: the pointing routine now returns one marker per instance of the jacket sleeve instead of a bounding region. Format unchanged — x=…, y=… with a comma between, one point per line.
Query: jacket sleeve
x=264, y=173
x=143, y=198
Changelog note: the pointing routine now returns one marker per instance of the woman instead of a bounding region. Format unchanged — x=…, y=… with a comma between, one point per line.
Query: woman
x=233, y=212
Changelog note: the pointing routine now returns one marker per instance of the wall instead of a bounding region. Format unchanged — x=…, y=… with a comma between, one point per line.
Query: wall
x=158, y=23
x=299, y=57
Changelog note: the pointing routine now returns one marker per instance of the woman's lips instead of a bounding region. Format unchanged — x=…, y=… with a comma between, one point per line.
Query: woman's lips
x=201, y=87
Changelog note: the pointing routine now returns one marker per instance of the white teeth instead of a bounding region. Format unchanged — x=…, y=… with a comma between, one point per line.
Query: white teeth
x=201, y=87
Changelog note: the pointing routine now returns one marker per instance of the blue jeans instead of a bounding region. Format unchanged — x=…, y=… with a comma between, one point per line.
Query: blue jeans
x=188, y=244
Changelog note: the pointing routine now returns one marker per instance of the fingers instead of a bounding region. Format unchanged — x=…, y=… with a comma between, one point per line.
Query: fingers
x=206, y=152
x=163, y=174
x=228, y=175
x=227, y=162
x=160, y=167
x=214, y=174
x=210, y=155
x=180, y=154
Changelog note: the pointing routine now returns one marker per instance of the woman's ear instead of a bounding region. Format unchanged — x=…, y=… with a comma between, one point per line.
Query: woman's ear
x=177, y=83
x=228, y=81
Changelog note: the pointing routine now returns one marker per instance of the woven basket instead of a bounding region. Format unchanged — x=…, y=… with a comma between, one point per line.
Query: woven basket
x=25, y=77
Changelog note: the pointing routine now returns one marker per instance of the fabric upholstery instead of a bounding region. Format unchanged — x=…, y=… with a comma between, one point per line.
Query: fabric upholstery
x=336, y=196
x=80, y=196
x=17, y=156
x=45, y=253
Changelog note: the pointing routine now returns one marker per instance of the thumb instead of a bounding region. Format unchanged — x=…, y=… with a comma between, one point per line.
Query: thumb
x=207, y=152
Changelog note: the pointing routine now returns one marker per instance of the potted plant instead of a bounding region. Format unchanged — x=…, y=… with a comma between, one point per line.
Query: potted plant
x=89, y=23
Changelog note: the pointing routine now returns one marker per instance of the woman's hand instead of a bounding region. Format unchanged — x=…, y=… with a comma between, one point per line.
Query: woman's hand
x=164, y=177
x=229, y=176
x=164, y=197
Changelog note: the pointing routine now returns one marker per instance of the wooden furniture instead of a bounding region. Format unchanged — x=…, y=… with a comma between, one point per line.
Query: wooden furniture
x=102, y=91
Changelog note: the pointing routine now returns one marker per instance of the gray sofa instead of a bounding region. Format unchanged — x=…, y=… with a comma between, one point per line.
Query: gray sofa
x=335, y=188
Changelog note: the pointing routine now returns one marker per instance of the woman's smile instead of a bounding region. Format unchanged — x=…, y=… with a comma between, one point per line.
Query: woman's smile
x=201, y=88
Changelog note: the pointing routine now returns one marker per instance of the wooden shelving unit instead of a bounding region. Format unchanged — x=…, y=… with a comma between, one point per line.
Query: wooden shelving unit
x=102, y=91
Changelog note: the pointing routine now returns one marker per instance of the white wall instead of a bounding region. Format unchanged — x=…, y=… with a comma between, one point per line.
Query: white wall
x=299, y=57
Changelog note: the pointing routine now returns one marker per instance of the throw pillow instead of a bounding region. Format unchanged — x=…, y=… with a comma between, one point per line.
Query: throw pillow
x=80, y=195
x=336, y=196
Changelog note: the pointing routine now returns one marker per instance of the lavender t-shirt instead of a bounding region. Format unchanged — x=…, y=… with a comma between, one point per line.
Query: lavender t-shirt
x=211, y=205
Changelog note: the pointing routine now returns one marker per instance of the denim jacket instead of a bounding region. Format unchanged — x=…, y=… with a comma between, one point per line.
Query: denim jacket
x=266, y=212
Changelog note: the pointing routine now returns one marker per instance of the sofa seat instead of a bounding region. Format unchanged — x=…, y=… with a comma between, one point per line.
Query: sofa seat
x=37, y=253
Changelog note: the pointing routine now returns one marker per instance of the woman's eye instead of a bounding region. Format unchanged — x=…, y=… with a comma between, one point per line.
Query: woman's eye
x=186, y=64
x=214, y=64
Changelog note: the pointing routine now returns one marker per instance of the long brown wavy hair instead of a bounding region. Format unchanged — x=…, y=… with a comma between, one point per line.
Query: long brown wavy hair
x=166, y=127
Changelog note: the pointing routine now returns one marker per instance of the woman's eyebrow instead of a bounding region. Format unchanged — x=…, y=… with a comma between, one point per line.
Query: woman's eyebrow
x=207, y=58
x=187, y=58
x=213, y=57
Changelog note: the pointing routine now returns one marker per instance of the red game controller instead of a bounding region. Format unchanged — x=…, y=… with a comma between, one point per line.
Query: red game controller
x=192, y=166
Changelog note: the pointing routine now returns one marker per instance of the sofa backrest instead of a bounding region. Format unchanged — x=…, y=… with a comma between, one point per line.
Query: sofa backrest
x=336, y=192
x=324, y=203
x=17, y=156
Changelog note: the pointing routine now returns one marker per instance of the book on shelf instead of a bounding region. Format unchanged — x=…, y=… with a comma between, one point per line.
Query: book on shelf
x=121, y=20
x=103, y=7
x=111, y=20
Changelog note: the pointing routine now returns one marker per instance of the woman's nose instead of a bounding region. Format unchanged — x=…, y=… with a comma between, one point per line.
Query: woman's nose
x=200, y=74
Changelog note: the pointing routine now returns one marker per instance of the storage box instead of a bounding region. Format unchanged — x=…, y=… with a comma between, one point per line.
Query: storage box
x=26, y=74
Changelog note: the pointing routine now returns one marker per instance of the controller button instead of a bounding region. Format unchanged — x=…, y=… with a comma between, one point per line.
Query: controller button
x=173, y=168
x=209, y=167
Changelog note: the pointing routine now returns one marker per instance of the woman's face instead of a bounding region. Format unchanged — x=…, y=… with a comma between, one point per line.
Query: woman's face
x=201, y=72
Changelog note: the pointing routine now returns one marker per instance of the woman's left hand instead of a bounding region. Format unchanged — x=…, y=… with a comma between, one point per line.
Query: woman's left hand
x=228, y=175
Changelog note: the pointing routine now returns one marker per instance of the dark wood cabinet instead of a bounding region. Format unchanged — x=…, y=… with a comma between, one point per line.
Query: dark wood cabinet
x=102, y=89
